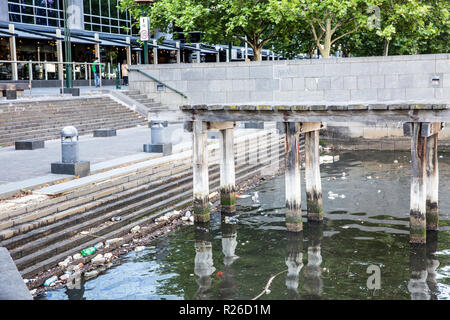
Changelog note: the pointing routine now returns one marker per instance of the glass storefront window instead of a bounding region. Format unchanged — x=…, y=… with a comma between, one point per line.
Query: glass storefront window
x=40, y=12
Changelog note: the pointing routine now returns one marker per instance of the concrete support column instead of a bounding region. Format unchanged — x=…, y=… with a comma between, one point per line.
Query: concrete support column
x=13, y=53
x=200, y=171
x=227, y=171
x=128, y=41
x=198, y=53
x=418, y=185
x=292, y=178
x=312, y=175
x=155, y=52
x=177, y=44
x=432, y=183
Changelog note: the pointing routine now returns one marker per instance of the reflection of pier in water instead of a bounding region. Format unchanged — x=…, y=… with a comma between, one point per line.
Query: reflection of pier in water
x=228, y=288
x=423, y=265
x=203, y=263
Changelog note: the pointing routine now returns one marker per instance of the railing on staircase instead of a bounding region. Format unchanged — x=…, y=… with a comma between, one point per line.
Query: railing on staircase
x=159, y=82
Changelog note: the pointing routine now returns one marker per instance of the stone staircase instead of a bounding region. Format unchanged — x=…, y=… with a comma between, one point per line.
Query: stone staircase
x=144, y=100
x=44, y=119
x=46, y=231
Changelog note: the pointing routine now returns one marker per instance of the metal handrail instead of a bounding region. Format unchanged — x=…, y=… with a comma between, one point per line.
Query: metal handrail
x=48, y=62
x=160, y=82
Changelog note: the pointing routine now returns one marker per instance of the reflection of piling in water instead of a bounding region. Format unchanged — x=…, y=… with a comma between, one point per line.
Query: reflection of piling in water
x=432, y=263
x=294, y=262
x=203, y=262
x=228, y=287
x=229, y=243
x=417, y=285
x=313, y=284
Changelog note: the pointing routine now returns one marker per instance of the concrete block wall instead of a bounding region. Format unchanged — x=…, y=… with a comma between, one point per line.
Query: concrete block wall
x=341, y=80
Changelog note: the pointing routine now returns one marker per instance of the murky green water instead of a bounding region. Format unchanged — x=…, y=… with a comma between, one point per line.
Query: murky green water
x=365, y=224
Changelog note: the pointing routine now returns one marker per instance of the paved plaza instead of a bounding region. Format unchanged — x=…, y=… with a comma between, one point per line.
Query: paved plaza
x=26, y=164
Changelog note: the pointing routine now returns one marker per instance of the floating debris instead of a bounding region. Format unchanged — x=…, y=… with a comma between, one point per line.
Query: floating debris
x=255, y=197
x=243, y=196
x=231, y=220
x=139, y=249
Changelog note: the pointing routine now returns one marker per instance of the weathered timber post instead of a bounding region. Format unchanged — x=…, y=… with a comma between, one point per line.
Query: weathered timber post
x=417, y=213
x=312, y=176
x=200, y=171
x=227, y=172
x=292, y=178
x=432, y=183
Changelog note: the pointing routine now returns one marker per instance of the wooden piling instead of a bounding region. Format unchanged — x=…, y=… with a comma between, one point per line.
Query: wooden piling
x=200, y=172
x=418, y=185
x=312, y=177
x=432, y=183
x=227, y=171
x=292, y=178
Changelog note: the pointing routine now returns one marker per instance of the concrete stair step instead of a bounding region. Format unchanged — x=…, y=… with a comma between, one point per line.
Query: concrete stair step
x=94, y=218
x=143, y=216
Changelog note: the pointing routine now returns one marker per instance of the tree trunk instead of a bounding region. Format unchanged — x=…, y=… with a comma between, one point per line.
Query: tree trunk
x=257, y=53
x=386, y=47
x=326, y=47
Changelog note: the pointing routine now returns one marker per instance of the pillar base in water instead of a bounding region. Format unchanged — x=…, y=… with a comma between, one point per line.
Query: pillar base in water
x=432, y=216
x=314, y=206
x=227, y=201
x=417, y=231
x=201, y=210
x=294, y=221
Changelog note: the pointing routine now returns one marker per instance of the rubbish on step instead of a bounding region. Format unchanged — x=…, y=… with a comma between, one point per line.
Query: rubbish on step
x=50, y=281
x=118, y=218
x=88, y=251
x=135, y=229
x=139, y=248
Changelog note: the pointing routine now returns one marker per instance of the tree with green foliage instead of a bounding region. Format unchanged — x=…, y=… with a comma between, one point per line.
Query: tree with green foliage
x=256, y=22
x=407, y=22
x=404, y=27
x=332, y=20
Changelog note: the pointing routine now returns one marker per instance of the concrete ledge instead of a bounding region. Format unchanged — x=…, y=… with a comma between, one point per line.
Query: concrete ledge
x=29, y=144
x=165, y=149
x=12, y=285
x=81, y=168
x=105, y=132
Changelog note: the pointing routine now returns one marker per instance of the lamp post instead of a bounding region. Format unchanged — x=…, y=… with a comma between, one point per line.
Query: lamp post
x=141, y=2
x=67, y=46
